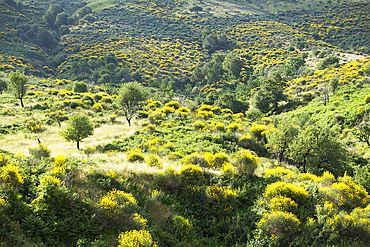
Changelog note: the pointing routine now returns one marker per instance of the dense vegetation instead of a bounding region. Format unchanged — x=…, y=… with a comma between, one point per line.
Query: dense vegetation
x=197, y=123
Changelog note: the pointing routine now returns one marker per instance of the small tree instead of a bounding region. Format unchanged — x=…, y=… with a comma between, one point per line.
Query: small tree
x=78, y=128
x=18, y=83
x=131, y=94
x=3, y=86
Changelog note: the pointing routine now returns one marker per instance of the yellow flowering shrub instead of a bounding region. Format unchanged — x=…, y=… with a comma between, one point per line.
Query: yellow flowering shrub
x=60, y=160
x=193, y=158
x=218, y=126
x=222, y=198
x=97, y=107
x=183, y=109
x=35, y=125
x=89, y=150
x=219, y=159
x=298, y=194
x=327, y=178
x=227, y=111
x=228, y=170
x=205, y=114
x=154, y=160
x=277, y=223
x=117, y=203
x=167, y=110
x=279, y=171
x=153, y=104
x=367, y=99
x=175, y=156
x=134, y=238
x=282, y=203
x=246, y=141
x=49, y=189
x=191, y=174
x=346, y=194
x=258, y=131
x=3, y=159
x=216, y=110
x=173, y=104
x=182, y=227
x=308, y=177
x=234, y=127
x=156, y=116
x=355, y=224
x=133, y=156
x=205, y=108
x=246, y=162
x=10, y=177
x=139, y=220
x=40, y=151
x=199, y=125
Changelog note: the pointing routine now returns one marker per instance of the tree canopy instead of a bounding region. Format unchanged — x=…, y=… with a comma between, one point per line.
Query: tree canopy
x=131, y=94
x=78, y=128
x=18, y=84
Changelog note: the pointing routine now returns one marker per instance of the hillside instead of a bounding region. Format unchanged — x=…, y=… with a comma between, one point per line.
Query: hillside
x=250, y=123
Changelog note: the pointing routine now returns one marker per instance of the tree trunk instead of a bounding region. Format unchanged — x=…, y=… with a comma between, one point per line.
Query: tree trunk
x=129, y=121
x=78, y=145
x=21, y=102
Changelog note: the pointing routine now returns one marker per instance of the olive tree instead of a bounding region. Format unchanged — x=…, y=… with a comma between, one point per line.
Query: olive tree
x=78, y=128
x=18, y=82
x=131, y=94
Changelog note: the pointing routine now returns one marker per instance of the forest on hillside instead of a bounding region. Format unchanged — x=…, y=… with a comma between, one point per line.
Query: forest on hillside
x=184, y=123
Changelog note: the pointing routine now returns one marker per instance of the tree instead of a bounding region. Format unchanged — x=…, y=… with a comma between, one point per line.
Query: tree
x=18, y=84
x=317, y=148
x=61, y=19
x=196, y=9
x=3, y=86
x=78, y=128
x=233, y=65
x=279, y=139
x=131, y=94
x=80, y=87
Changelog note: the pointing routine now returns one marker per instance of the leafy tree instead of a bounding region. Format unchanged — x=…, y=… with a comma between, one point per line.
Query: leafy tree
x=45, y=38
x=363, y=130
x=83, y=11
x=279, y=139
x=197, y=77
x=213, y=70
x=233, y=65
x=78, y=128
x=80, y=87
x=61, y=19
x=18, y=84
x=196, y=9
x=270, y=94
x=3, y=86
x=131, y=94
x=317, y=148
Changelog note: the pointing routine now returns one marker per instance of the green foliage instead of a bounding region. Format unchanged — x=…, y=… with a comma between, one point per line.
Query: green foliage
x=246, y=162
x=131, y=94
x=40, y=151
x=80, y=87
x=78, y=128
x=3, y=86
x=18, y=84
x=133, y=156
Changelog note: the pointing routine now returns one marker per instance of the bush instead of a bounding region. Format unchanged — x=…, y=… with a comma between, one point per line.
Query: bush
x=117, y=204
x=40, y=151
x=205, y=108
x=10, y=178
x=346, y=194
x=258, y=132
x=97, y=107
x=367, y=99
x=191, y=174
x=35, y=126
x=205, y=114
x=154, y=160
x=282, y=203
x=133, y=156
x=298, y=194
x=182, y=227
x=175, y=156
x=228, y=170
x=3, y=159
x=199, y=125
x=173, y=104
x=278, y=223
x=193, y=158
x=234, y=127
x=135, y=238
x=246, y=162
x=89, y=150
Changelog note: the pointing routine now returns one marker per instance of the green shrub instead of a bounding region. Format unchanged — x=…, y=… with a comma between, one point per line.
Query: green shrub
x=278, y=223
x=182, y=227
x=173, y=104
x=10, y=178
x=296, y=193
x=193, y=158
x=175, y=156
x=191, y=174
x=246, y=162
x=40, y=151
x=367, y=99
